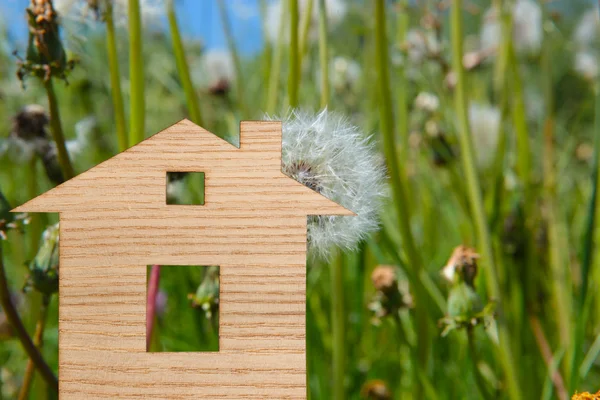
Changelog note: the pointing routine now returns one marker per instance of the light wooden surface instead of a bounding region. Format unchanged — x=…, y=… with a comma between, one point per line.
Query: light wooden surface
x=114, y=221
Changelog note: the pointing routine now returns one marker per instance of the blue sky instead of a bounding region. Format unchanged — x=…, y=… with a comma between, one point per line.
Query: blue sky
x=198, y=19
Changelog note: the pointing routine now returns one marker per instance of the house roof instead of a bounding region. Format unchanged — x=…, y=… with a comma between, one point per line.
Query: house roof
x=186, y=147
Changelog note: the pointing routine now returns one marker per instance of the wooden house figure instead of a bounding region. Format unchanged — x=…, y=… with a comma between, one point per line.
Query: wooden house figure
x=115, y=221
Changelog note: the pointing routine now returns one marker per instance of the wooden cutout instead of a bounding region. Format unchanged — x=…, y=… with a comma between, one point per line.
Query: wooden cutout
x=114, y=221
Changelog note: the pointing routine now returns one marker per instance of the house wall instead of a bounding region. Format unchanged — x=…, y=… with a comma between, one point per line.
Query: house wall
x=102, y=312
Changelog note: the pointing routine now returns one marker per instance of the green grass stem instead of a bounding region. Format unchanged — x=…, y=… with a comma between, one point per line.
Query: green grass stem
x=115, y=79
x=323, y=53
x=397, y=177
x=237, y=64
x=338, y=327
x=57, y=132
x=13, y=318
x=294, y=67
x=475, y=198
x=182, y=66
x=137, y=100
x=276, y=59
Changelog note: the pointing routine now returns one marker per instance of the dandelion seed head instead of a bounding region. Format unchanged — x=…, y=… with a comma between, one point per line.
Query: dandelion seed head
x=586, y=64
x=421, y=43
x=325, y=152
x=484, y=121
x=84, y=130
x=217, y=70
x=28, y=133
x=90, y=12
x=588, y=29
x=427, y=102
x=344, y=74
x=527, y=27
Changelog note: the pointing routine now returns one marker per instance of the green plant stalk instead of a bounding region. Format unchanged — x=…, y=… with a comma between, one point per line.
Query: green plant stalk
x=479, y=380
x=273, y=90
x=542, y=342
x=323, y=53
x=401, y=92
x=397, y=177
x=57, y=132
x=115, y=79
x=338, y=327
x=558, y=260
x=304, y=29
x=136, y=75
x=182, y=66
x=294, y=74
x=13, y=318
x=38, y=340
x=267, y=48
x=520, y=123
x=588, y=256
x=475, y=198
x=239, y=79
x=407, y=335
x=35, y=230
x=501, y=64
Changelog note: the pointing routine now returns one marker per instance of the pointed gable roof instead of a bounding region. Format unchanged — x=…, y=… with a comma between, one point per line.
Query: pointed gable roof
x=186, y=147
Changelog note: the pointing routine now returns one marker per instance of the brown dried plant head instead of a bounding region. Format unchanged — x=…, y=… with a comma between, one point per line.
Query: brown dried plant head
x=462, y=265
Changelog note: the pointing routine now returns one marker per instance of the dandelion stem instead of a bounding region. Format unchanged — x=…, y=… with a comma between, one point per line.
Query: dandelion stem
x=304, y=28
x=338, y=327
x=294, y=74
x=397, y=177
x=38, y=340
x=401, y=93
x=239, y=79
x=544, y=346
x=589, y=259
x=115, y=78
x=136, y=75
x=273, y=91
x=268, y=48
x=35, y=220
x=182, y=66
x=57, y=132
x=323, y=53
x=558, y=258
x=475, y=197
x=151, y=303
x=13, y=318
x=478, y=377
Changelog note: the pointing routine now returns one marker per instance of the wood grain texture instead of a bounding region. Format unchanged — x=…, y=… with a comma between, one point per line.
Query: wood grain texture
x=114, y=221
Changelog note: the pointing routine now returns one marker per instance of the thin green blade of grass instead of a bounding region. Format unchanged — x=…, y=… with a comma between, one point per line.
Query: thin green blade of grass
x=136, y=75
x=475, y=198
x=115, y=78
x=182, y=66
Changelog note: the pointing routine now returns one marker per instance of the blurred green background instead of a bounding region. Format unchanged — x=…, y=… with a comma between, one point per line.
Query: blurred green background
x=485, y=112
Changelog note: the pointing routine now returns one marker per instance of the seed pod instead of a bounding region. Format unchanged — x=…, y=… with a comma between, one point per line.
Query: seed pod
x=46, y=56
x=44, y=268
x=207, y=294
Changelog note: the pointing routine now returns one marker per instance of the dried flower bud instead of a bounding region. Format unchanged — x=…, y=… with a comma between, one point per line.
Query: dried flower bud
x=375, y=389
x=44, y=268
x=384, y=278
x=30, y=123
x=207, y=294
x=462, y=265
x=391, y=294
x=46, y=55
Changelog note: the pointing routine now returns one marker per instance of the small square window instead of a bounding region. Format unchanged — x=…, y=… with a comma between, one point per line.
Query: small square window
x=186, y=188
x=186, y=309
